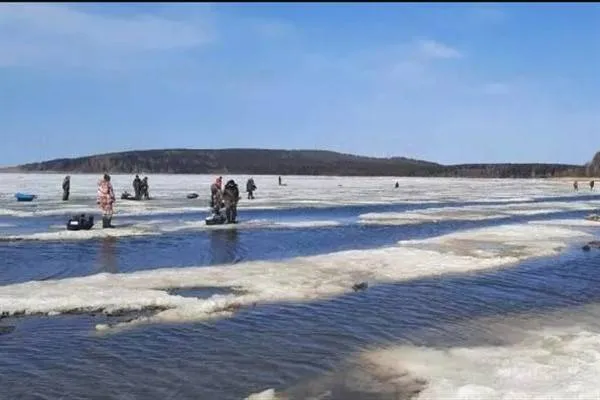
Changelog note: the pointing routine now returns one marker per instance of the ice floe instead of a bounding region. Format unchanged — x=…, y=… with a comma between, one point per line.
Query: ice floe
x=542, y=356
x=474, y=213
x=156, y=227
x=544, y=360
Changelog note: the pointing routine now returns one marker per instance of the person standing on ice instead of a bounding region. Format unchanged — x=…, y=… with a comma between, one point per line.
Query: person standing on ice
x=144, y=189
x=216, y=195
x=231, y=196
x=66, y=187
x=250, y=188
x=137, y=184
x=106, y=199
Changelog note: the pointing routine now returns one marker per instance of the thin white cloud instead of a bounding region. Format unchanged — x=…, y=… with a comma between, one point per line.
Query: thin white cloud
x=434, y=49
x=33, y=34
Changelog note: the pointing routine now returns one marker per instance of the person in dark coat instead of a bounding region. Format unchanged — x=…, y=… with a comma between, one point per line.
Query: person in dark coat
x=231, y=196
x=66, y=187
x=137, y=185
x=250, y=188
x=144, y=189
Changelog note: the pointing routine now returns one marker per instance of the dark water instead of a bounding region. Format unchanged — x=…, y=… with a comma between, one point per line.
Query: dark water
x=42, y=260
x=277, y=345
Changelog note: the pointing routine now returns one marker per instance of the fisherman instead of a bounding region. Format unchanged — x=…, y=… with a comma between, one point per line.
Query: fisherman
x=216, y=195
x=106, y=199
x=250, y=188
x=591, y=185
x=231, y=196
x=137, y=184
x=575, y=186
x=66, y=187
x=280, y=180
x=144, y=189
x=397, y=185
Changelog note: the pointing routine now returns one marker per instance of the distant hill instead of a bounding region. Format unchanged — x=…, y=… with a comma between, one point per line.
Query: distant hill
x=286, y=162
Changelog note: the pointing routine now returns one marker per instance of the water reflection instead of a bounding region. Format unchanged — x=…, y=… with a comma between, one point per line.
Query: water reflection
x=108, y=256
x=225, y=247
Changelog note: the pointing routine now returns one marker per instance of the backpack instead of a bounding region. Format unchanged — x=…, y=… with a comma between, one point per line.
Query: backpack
x=80, y=222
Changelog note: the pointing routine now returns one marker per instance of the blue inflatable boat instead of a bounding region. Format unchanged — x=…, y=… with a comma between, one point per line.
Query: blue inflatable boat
x=25, y=197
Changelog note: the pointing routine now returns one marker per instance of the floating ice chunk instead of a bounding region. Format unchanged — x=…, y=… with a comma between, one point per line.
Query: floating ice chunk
x=268, y=394
x=568, y=222
x=432, y=215
x=473, y=213
x=93, y=233
x=548, y=364
x=157, y=227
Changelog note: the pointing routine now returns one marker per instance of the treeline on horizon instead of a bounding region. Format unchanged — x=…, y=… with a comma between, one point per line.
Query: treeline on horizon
x=294, y=162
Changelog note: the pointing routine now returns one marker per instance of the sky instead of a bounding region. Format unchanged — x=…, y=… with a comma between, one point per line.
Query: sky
x=451, y=83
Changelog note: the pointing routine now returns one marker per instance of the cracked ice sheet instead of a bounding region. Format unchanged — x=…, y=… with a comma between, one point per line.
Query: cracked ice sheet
x=169, y=192
x=295, y=280
x=501, y=241
x=474, y=212
x=158, y=227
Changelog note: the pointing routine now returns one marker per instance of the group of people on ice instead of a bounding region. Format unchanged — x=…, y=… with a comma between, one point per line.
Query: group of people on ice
x=106, y=196
x=226, y=197
x=140, y=188
x=576, y=185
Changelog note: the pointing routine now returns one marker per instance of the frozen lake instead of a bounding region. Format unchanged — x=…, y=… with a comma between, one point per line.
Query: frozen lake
x=474, y=289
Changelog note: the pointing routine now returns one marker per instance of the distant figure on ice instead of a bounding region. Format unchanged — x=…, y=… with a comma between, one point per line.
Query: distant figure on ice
x=280, y=181
x=144, y=189
x=591, y=185
x=397, y=185
x=66, y=187
x=250, y=188
x=106, y=199
x=137, y=185
x=231, y=196
x=575, y=186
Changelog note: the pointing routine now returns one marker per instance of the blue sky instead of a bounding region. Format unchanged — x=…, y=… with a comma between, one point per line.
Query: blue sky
x=449, y=83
